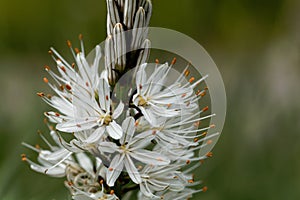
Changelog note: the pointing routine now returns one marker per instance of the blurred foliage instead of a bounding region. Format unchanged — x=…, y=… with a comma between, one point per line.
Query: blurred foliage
x=255, y=43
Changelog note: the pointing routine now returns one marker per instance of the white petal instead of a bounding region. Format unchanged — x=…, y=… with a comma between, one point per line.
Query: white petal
x=114, y=130
x=96, y=135
x=141, y=77
x=118, y=111
x=108, y=147
x=77, y=125
x=150, y=157
x=104, y=95
x=149, y=116
x=128, y=128
x=114, y=170
x=85, y=162
x=132, y=170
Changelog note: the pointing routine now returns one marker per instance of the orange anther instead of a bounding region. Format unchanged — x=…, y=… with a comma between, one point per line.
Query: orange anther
x=209, y=154
x=45, y=80
x=173, y=61
x=205, y=109
x=209, y=142
x=77, y=50
x=69, y=43
x=40, y=94
x=68, y=87
x=187, y=72
x=47, y=68
x=154, y=132
x=63, y=68
x=192, y=79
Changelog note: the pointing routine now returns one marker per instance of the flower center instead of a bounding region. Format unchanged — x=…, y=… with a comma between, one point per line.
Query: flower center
x=106, y=119
x=142, y=101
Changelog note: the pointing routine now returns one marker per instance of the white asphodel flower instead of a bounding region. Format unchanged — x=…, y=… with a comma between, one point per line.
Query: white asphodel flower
x=187, y=193
x=82, y=98
x=159, y=101
x=160, y=178
x=131, y=148
x=99, y=115
x=80, y=195
x=52, y=161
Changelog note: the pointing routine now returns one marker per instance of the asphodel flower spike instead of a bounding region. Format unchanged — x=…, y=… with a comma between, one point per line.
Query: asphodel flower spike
x=134, y=128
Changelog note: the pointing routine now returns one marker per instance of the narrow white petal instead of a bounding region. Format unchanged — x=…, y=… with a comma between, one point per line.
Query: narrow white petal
x=150, y=157
x=77, y=125
x=118, y=111
x=128, y=128
x=114, y=170
x=114, y=130
x=104, y=94
x=96, y=135
x=85, y=162
x=132, y=170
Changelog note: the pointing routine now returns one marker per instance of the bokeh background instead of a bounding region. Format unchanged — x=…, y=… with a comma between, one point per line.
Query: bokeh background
x=256, y=45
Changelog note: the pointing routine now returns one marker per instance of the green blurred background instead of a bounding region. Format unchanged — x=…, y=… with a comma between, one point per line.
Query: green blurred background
x=256, y=45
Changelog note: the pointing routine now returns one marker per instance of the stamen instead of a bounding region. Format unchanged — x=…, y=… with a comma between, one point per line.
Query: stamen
x=192, y=79
x=77, y=50
x=209, y=142
x=68, y=87
x=47, y=68
x=191, y=181
x=136, y=123
x=40, y=94
x=159, y=159
x=112, y=192
x=202, y=94
x=205, y=109
x=69, y=43
x=186, y=72
x=110, y=169
x=23, y=157
x=63, y=68
x=154, y=132
x=173, y=61
x=204, y=189
x=156, y=61
x=196, y=124
x=45, y=80
x=209, y=154
x=62, y=87
x=80, y=36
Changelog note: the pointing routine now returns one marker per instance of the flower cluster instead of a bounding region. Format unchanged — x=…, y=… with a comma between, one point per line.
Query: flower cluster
x=141, y=135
